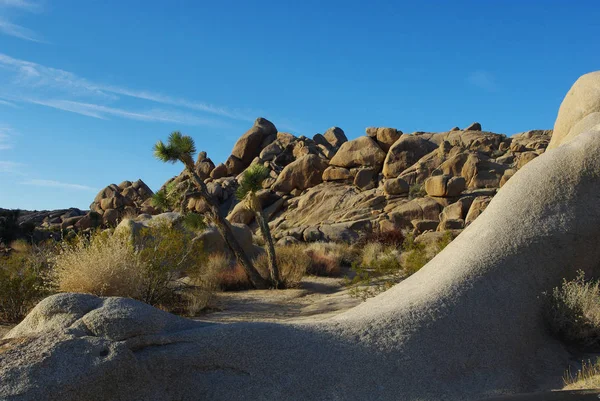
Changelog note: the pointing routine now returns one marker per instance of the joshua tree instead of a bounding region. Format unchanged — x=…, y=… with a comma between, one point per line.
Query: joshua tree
x=250, y=184
x=181, y=148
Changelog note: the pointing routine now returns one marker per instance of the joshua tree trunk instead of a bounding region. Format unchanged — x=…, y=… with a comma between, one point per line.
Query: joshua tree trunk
x=222, y=225
x=264, y=227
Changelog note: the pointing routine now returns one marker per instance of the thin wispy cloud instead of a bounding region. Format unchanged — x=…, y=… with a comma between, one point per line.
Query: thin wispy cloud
x=7, y=103
x=21, y=4
x=11, y=167
x=483, y=80
x=58, y=184
x=36, y=77
x=104, y=112
x=18, y=31
x=10, y=28
x=6, y=134
x=43, y=85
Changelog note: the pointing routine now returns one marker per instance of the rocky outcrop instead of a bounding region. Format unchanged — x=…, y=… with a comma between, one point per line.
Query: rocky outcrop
x=445, y=186
x=373, y=177
x=128, y=198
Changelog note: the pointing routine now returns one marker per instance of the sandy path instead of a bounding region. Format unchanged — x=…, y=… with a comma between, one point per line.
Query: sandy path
x=317, y=298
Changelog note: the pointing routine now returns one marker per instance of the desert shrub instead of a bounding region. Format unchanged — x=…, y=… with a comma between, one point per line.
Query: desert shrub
x=166, y=268
x=382, y=266
x=325, y=258
x=370, y=253
x=101, y=264
x=24, y=278
x=292, y=261
x=233, y=278
x=230, y=275
x=388, y=238
x=379, y=269
x=573, y=312
x=587, y=377
x=168, y=254
x=444, y=241
x=349, y=254
x=415, y=255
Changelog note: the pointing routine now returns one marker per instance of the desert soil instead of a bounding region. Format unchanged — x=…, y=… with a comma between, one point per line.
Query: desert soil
x=316, y=298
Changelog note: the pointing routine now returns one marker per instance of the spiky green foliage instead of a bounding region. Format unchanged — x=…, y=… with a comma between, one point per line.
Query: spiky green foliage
x=194, y=221
x=171, y=196
x=160, y=200
x=178, y=148
x=252, y=179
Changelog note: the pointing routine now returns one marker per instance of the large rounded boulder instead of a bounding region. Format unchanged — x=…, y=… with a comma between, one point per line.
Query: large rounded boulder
x=306, y=172
x=405, y=152
x=579, y=111
x=253, y=141
x=360, y=152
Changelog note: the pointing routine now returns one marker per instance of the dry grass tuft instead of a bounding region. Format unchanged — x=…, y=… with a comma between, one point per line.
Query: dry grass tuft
x=166, y=269
x=588, y=377
x=292, y=261
x=20, y=246
x=103, y=265
x=230, y=276
x=326, y=258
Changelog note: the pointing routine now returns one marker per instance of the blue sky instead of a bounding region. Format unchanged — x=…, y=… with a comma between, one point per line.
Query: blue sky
x=87, y=87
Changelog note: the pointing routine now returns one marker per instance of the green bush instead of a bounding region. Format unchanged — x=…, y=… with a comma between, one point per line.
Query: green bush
x=573, y=312
x=382, y=266
x=415, y=255
x=23, y=283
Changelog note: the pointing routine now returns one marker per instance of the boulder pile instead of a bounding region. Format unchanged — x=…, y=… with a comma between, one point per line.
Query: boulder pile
x=126, y=199
x=330, y=188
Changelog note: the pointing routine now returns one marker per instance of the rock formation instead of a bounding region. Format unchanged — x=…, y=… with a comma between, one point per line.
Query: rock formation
x=126, y=199
x=466, y=326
